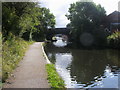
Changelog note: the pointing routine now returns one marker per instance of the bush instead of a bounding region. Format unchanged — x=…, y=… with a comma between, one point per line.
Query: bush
x=114, y=39
x=12, y=52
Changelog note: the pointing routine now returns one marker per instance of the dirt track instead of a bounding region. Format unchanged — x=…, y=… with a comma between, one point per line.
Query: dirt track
x=31, y=72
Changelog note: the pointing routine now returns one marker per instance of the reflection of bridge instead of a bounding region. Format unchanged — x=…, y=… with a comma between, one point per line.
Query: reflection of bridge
x=53, y=32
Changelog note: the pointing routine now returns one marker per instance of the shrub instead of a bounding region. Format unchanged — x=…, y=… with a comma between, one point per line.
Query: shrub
x=114, y=39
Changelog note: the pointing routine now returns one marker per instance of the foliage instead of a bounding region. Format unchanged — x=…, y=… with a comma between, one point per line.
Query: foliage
x=114, y=39
x=53, y=77
x=21, y=17
x=85, y=17
x=10, y=20
x=29, y=21
x=38, y=22
x=12, y=52
x=18, y=19
x=11, y=13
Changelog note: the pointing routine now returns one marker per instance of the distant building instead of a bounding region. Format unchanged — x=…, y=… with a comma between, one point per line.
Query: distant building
x=113, y=21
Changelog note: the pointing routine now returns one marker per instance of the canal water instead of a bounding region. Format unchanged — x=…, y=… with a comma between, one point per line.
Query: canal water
x=81, y=68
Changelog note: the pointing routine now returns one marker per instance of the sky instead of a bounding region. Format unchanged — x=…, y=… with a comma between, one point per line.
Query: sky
x=60, y=8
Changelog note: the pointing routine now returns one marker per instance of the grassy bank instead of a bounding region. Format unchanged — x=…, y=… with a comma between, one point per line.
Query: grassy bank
x=13, y=50
x=53, y=77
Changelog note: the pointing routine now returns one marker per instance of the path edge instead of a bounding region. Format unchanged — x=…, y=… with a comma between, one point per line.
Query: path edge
x=44, y=54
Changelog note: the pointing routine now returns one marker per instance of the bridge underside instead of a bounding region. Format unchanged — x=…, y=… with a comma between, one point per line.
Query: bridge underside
x=53, y=32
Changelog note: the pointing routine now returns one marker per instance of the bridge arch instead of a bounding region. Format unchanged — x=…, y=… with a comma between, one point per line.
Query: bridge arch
x=53, y=32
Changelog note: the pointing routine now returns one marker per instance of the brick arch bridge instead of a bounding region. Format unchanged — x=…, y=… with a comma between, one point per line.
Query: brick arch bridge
x=53, y=32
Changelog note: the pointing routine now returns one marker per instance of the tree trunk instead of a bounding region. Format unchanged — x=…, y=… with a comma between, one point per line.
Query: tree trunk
x=30, y=35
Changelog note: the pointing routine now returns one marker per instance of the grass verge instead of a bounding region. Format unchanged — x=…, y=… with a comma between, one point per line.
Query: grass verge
x=54, y=79
x=13, y=50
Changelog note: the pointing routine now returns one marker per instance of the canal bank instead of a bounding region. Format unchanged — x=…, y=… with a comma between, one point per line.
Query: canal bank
x=53, y=77
x=44, y=54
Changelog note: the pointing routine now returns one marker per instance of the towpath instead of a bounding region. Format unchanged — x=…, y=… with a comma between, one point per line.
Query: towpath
x=31, y=72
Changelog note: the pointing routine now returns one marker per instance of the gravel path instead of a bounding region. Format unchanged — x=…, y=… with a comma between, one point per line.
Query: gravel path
x=31, y=72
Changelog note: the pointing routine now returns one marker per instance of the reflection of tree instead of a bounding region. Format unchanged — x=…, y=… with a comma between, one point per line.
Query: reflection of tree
x=51, y=56
x=114, y=57
x=87, y=64
x=51, y=49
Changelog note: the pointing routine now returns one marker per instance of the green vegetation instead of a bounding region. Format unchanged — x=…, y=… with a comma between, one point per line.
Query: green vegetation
x=87, y=23
x=26, y=19
x=114, y=39
x=21, y=21
x=13, y=51
x=53, y=77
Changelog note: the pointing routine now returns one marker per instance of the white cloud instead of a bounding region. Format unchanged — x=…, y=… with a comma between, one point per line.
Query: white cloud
x=109, y=5
x=60, y=7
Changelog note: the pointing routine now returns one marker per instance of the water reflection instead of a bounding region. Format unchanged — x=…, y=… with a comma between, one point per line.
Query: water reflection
x=62, y=62
x=60, y=42
x=86, y=68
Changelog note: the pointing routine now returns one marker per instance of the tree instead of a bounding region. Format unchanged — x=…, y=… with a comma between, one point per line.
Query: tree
x=29, y=21
x=47, y=20
x=25, y=17
x=85, y=17
x=11, y=14
x=36, y=20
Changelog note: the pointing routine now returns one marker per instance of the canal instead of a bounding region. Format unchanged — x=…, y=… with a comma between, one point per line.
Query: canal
x=81, y=68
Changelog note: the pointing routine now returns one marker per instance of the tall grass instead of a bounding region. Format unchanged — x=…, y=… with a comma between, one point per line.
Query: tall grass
x=13, y=51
